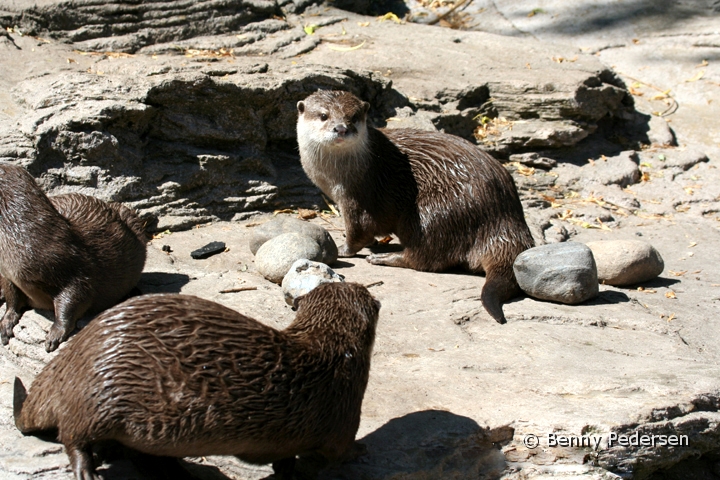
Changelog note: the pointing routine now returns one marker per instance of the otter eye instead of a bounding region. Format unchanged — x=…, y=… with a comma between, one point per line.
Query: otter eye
x=323, y=116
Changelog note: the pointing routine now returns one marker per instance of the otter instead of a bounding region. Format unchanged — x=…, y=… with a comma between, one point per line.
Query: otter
x=449, y=203
x=70, y=253
x=174, y=375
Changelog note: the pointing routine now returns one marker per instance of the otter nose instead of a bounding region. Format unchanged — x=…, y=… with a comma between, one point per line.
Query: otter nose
x=341, y=129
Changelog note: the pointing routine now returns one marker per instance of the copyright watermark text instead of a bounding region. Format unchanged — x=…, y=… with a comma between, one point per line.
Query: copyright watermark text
x=600, y=442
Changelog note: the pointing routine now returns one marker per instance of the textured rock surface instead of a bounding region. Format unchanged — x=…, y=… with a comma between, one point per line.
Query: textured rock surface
x=660, y=133
x=628, y=361
x=304, y=276
x=210, y=135
x=620, y=170
x=285, y=224
x=559, y=272
x=275, y=257
x=626, y=262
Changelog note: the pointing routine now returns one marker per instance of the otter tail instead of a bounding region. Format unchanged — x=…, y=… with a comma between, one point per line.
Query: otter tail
x=497, y=290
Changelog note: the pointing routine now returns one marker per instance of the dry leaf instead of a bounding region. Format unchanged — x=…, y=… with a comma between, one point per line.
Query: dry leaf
x=662, y=95
x=696, y=77
x=284, y=210
x=535, y=11
x=310, y=29
x=71, y=60
x=635, y=92
x=704, y=63
x=671, y=317
x=689, y=190
x=645, y=177
x=670, y=294
x=363, y=24
x=331, y=206
x=306, y=214
x=389, y=16
x=385, y=241
x=346, y=49
x=677, y=274
x=692, y=244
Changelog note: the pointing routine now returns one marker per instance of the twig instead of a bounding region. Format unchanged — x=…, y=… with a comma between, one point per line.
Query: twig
x=239, y=289
x=457, y=5
x=374, y=284
x=668, y=111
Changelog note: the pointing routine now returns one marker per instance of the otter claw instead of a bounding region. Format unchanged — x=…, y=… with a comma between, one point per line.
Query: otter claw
x=54, y=337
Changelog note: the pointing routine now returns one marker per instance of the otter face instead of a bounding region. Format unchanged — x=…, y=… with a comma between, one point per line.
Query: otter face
x=334, y=120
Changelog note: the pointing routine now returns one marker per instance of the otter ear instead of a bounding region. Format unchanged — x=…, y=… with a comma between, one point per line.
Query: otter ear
x=297, y=300
x=301, y=107
x=365, y=107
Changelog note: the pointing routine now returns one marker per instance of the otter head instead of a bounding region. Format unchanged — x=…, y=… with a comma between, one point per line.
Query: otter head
x=332, y=120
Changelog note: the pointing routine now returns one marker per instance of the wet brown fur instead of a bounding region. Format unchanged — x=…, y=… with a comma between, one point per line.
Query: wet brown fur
x=175, y=375
x=449, y=203
x=73, y=254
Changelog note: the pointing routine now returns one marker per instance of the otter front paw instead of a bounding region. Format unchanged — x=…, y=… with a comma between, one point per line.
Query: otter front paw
x=55, y=337
x=6, y=332
x=388, y=259
x=345, y=251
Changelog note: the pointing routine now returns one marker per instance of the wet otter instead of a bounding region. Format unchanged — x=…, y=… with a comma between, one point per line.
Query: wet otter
x=174, y=375
x=449, y=203
x=73, y=254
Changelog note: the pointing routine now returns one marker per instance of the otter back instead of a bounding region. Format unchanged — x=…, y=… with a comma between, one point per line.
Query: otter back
x=175, y=375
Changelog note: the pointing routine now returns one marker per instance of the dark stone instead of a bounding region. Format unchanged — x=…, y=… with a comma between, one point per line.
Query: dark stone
x=208, y=250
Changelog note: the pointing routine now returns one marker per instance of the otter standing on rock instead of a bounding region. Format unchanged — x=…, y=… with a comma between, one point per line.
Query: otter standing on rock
x=73, y=254
x=174, y=375
x=449, y=203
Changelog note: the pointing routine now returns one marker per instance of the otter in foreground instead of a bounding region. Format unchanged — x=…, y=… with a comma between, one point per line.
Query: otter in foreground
x=73, y=254
x=449, y=203
x=174, y=375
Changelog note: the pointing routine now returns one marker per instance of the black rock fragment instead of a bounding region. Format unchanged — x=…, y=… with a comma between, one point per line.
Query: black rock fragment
x=208, y=250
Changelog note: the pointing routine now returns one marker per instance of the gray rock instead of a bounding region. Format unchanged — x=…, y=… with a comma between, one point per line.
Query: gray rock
x=683, y=158
x=559, y=272
x=626, y=262
x=275, y=257
x=533, y=159
x=305, y=275
x=128, y=26
x=285, y=224
x=620, y=170
x=660, y=133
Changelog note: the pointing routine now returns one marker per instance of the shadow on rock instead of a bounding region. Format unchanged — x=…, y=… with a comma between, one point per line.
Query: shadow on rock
x=657, y=282
x=609, y=297
x=423, y=445
x=124, y=463
x=162, y=282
